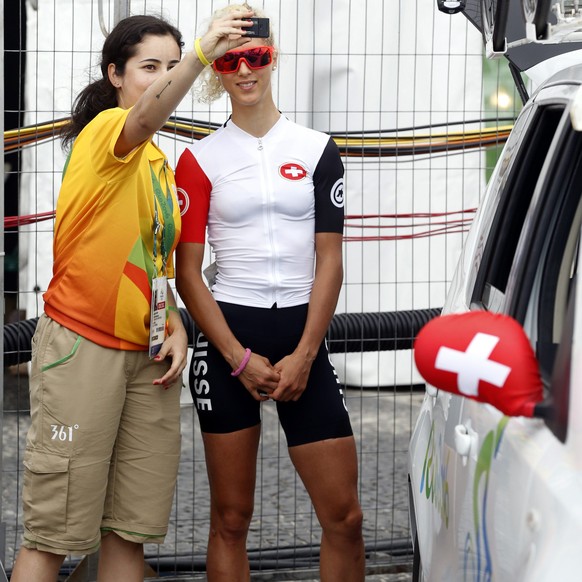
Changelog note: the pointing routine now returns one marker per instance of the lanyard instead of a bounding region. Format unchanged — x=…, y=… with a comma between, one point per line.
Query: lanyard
x=168, y=228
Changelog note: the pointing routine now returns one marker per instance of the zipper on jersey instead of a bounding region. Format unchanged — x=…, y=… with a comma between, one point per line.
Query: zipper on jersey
x=268, y=197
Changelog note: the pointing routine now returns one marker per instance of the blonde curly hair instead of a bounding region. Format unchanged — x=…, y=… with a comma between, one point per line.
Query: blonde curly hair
x=208, y=87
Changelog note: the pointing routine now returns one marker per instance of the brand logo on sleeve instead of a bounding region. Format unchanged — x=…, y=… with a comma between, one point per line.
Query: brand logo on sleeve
x=337, y=193
x=183, y=201
x=293, y=172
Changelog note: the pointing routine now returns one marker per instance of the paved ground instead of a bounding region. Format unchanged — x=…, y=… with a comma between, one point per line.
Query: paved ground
x=284, y=535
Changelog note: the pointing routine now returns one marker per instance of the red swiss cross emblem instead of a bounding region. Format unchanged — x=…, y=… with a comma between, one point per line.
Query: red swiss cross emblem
x=293, y=172
x=183, y=201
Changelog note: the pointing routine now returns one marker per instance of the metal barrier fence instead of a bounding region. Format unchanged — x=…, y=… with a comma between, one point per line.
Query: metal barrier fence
x=387, y=230
x=284, y=538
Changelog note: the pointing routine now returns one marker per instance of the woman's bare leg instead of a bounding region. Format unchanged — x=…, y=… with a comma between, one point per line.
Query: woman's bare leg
x=329, y=471
x=231, y=460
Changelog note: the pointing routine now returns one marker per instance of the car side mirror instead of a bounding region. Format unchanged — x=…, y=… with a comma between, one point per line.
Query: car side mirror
x=483, y=356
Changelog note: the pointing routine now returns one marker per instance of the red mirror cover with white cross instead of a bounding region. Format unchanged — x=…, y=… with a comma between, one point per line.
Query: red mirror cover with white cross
x=483, y=356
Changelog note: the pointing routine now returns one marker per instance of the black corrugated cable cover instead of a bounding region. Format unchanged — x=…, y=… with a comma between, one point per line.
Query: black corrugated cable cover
x=378, y=331
x=17, y=340
x=348, y=332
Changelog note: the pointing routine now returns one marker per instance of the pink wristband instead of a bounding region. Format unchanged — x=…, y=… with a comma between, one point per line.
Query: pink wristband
x=243, y=364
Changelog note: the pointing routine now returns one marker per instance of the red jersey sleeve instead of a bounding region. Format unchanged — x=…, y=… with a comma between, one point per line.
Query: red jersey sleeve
x=194, y=197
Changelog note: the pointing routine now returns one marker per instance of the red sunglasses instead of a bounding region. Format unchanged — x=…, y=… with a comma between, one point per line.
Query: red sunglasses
x=257, y=57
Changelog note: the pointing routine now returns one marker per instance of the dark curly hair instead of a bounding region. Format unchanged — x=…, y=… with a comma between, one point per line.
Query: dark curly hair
x=118, y=48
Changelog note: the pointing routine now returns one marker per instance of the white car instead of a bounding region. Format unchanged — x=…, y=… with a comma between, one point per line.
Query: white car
x=495, y=459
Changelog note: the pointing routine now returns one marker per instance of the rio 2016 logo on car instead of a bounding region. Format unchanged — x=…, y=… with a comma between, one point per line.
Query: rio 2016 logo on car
x=477, y=553
x=434, y=483
x=434, y=480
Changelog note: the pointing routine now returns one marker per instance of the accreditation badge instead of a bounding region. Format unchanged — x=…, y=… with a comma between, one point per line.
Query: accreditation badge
x=158, y=314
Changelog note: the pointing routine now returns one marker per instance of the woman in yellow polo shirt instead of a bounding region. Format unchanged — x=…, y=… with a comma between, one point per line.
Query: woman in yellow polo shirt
x=103, y=449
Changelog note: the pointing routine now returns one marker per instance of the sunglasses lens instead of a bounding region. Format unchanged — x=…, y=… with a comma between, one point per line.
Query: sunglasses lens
x=255, y=58
x=228, y=63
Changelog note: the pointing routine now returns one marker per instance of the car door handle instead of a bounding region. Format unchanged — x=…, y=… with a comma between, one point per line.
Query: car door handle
x=465, y=440
x=431, y=390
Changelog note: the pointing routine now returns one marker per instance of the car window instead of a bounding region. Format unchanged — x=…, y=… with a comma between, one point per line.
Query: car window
x=540, y=277
x=558, y=404
x=544, y=290
x=543, y=269
x=556, y=275
x=514, y=202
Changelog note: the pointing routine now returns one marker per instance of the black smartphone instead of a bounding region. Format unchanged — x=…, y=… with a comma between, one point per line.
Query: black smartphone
x=260, y=28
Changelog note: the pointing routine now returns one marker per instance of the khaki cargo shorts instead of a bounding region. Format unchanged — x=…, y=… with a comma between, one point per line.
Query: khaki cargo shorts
x=103, y=448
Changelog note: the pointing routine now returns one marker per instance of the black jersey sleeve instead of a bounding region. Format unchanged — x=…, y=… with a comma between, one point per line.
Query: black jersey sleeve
x=328, y=183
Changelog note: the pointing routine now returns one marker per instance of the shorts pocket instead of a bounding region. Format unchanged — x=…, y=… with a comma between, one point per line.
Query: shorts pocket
x=65, y=348
x=34, y=341
x=45, y=491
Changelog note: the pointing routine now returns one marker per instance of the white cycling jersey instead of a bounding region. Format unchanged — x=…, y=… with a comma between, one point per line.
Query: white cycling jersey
x=262, y=200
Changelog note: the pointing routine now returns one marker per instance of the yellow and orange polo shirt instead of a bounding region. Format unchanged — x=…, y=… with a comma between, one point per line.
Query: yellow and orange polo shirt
x=104, y=236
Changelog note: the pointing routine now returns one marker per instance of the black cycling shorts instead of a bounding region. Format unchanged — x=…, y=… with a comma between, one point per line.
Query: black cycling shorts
x=223, y=403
